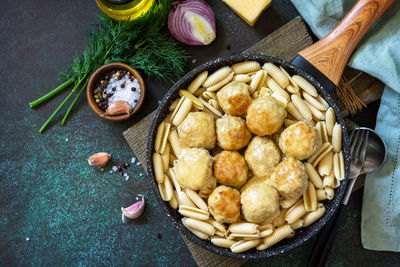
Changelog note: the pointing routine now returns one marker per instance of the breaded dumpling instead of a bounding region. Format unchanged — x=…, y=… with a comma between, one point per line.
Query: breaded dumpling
x=299, y=140
x=194, y=169
x=197, y=130
x=265, y=116
x=234, y=98
x=230, y=168
x=224, y=204
x=290, y=178
x=262, y=156
x=232, y=133
x=260, y=202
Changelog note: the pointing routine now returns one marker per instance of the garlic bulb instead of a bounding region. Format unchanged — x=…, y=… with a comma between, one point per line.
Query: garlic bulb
x=99, y=159
x=118, y=107
x=133, y=211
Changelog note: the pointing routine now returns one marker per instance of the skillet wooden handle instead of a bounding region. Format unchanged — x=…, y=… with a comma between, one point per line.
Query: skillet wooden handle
x=330, y=54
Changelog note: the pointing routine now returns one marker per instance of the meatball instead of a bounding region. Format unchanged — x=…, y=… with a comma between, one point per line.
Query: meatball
x=232, y=133
x=265, y=116
x=197, y=130
x=262, y=156
x=224, y=204
x=290, y=178
x=234, y=98
x=230, y=168
x=299, y=140
x=260, y=202
x=194, y=169
x=255, y=180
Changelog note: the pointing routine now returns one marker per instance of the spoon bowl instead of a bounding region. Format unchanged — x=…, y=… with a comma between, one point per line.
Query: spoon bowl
x=376, y=152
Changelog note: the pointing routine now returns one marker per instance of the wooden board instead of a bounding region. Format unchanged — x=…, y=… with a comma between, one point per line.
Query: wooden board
x=283, y=43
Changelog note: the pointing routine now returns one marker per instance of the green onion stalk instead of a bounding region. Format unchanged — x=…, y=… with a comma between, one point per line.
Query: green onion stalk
x=139, y=43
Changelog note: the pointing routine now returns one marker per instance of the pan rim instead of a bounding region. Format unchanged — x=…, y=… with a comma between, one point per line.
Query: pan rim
x=301, y=236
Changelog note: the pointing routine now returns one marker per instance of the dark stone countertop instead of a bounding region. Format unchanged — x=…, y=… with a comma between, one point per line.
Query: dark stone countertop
x=71, y=212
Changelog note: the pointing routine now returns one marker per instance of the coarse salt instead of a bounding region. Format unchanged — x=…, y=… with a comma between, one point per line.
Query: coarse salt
x=133, y=160
x=125, y=93
x=114, y=168
x=126, y=178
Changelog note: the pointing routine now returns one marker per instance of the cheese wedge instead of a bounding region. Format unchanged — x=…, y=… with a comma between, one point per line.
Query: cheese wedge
x=248, y=10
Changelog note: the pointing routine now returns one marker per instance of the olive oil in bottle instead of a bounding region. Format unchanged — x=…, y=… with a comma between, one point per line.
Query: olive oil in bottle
x=124, y=9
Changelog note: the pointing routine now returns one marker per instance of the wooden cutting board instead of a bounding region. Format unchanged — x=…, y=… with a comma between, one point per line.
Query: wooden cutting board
x=283, y=43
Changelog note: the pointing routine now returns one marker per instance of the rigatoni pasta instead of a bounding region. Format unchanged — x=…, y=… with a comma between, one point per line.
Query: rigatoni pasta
x=310, y=198
x=326, y=164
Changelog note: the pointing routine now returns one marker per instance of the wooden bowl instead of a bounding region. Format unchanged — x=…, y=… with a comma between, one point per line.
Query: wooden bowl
x=99, y=73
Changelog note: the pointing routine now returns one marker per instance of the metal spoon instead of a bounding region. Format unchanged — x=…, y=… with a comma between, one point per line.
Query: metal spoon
x=376, y=152
x=375, y=155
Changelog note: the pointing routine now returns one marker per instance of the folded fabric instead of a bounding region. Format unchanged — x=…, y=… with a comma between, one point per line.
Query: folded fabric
x=378, y=54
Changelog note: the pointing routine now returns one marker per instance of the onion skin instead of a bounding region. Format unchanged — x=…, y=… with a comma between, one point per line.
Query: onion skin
x=192, y=22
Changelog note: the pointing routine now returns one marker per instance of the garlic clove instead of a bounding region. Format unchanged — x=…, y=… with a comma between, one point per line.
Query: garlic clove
x=99, y=159
x=118, y=107
x=133, y=211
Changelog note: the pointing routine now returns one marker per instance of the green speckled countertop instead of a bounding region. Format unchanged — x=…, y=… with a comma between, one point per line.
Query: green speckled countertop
x=70, y=212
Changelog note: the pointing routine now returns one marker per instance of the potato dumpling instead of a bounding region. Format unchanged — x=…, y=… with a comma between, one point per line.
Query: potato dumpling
x=234, y=98
x=262, y=156
x=299, y=140
x=224, y=204
x=194, y=169
x=230, y=168
x=290, y=178
x=197, y=130
x=260, y=202
x=232, y=133
x=265, y=116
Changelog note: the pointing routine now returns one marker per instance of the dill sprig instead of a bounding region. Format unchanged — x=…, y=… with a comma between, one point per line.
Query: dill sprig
x=139, y=43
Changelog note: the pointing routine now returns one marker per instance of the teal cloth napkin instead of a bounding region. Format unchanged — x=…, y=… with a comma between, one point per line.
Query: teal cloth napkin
x=379, y=55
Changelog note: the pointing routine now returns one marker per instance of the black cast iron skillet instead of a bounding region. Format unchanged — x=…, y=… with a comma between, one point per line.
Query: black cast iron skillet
x=322, y=65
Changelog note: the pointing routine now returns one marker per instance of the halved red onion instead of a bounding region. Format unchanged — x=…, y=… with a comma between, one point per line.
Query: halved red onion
x=192, y=22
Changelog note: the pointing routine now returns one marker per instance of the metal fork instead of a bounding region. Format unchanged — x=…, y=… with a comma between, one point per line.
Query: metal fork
x=358, y=148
